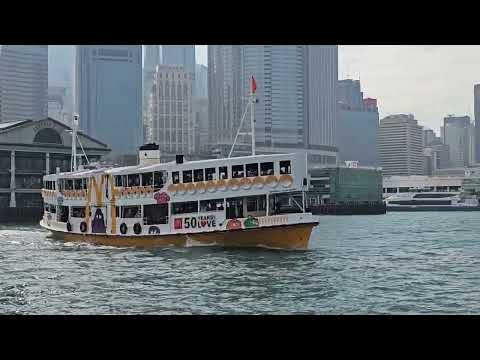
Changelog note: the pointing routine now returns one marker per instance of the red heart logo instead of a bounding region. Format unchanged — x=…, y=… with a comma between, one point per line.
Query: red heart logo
x=204, y=223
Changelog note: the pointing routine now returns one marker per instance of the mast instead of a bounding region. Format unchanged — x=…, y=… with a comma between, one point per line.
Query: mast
x=253, y=89
x=74, y=141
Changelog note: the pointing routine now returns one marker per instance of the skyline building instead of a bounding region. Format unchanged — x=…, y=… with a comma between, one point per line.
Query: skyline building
x=180, y=55
x=224, y=92
x=400, y=144
x=357, y=125
x=201, y=81
x=297, y=92
x=23, y=82
x=108, y=92
x=459, y=135
x=172, y=124
x=476, y=105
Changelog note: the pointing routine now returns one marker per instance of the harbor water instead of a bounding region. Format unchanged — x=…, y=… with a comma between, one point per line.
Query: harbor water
x=398, y=263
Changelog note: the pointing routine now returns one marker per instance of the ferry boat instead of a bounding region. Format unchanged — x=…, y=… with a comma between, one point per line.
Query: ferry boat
x=235, y=201
x=433, y=201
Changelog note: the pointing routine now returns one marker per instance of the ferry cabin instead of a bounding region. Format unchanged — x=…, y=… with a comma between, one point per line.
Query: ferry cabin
x=176, y=197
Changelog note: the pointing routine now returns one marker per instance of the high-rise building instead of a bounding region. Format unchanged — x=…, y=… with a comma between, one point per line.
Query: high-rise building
x=61, y=74
x=172, y=124
x=400, y=146
x=476, y=96
x=297, y=92
x=181, y=55
x=201, y=81
x=151, y=60
x=224, y=92
x=152, y=57
x=200, y=106
x=108, y=91
x=357, y=129
x=58, y=97
x=458, y=134
x=23, y=82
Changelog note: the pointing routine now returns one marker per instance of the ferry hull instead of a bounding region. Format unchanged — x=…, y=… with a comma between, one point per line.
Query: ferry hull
x=294, y=237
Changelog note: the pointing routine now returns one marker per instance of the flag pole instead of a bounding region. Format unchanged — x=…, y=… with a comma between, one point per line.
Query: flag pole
x=252, y=113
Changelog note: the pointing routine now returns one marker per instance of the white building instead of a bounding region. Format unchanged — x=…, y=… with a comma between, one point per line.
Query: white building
x=23, y=82
x=400, y=184
x=400, y=145
x=172, y=123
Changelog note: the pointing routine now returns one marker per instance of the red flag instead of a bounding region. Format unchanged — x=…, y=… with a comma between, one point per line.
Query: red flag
x=254, y=85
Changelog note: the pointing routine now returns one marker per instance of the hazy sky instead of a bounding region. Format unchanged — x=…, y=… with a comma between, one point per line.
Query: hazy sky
x=428, y=81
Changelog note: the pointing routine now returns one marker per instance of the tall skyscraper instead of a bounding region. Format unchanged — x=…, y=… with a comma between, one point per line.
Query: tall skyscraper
x=172, y=124
x=357, y=130
x=152, y=57
x=458, y=132
x=201, y=81
x=297, y=91
x=224, y=92
x=109, y=95
x=23, y=82
x=61, y=75
x=400, y=145
x=476, y=96
x=151, y=61
x=180, y=55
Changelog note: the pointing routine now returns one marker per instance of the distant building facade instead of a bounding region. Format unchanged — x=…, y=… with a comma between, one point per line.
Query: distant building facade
x=459, y=135
x=109, y=96
x=400, y=146
x=201, y=81
x=476, y=96
x=297, y=92
x=23, y=82
x=59, y=104
x=61, y=75
x=224, y=92
x=172, y=124
x=357, y=130
x=200, y=107
x=181, y=55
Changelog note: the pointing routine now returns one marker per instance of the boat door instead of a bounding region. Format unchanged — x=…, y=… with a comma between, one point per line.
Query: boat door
x=234, y=208
x=99, y=220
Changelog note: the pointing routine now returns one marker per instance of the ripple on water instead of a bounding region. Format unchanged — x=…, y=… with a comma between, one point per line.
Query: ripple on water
x=400, y=263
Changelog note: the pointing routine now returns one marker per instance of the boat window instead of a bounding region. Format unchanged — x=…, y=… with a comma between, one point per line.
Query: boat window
x=156, y=214
x=78, y=184
x=454, y=188
x=403, y=189
x=78, y=212
x=131, y=212
x=158, y=180
x=211, y=205
x=69, y=185
x=133, y=180
x=238, y=171
x=175, y=177
x=432, y=196
x=198, y=175
x=266, y=168
x=147, y=179
x=117, y=211
x=234, y=208
x=118, y=181
x=256, y=203
x=285, y=167
x=223, y=172
x=185, y=207
x=62, y=215
x=441, y=188
x=187, y=176
x=210, y=174
x=47, y=208
x=52, y=209
x=252, y=170
x=391, y=190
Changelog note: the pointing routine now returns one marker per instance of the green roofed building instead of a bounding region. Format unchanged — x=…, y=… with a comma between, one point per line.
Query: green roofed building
x=346, y=190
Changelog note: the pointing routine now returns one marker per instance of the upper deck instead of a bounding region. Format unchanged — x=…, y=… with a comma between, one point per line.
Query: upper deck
x=204, y=179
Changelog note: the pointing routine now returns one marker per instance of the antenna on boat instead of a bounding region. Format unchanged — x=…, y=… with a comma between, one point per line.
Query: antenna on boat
x=251, y=104
x=74, y=141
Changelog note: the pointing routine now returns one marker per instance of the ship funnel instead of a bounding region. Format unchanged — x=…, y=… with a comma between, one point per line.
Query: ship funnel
x=149, y=154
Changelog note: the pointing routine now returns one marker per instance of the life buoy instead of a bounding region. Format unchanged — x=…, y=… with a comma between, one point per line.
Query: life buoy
x=137, y=229
x=123, y=228
x=83, y=226
x=69, y=227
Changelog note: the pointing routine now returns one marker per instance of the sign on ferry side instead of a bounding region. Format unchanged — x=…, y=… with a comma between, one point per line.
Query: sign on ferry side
x=195, y=222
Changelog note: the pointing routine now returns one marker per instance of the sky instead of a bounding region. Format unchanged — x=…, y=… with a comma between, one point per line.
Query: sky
x=428, y=81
